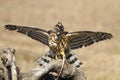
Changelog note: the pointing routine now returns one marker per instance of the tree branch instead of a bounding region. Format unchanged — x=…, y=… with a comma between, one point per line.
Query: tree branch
x=49, y=71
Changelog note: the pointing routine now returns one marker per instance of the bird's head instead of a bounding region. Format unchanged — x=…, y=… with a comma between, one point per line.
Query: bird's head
x=59, y=27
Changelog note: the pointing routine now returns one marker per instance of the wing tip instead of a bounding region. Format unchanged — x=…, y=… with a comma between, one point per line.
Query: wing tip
x=109, y=36
x=10, y=27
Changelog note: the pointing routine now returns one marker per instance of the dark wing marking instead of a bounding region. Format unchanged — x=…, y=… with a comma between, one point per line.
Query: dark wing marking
x=86, y=38
x=35, y=33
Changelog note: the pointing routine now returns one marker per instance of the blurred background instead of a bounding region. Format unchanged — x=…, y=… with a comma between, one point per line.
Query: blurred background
x=101, y=61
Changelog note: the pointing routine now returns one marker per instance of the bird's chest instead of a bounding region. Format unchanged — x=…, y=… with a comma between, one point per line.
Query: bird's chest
x=58, y=43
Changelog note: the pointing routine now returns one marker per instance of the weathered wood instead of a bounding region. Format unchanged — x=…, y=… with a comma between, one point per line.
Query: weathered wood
x=9, y=64
x=70, y=72
x=49, y=71
x=3, y=72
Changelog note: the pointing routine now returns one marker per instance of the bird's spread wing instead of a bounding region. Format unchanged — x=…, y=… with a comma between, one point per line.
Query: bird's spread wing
x=35, y=33
x=86, y=38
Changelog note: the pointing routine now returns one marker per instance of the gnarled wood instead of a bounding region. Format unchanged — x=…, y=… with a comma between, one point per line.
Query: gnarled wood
x=49, y=71
x=9, y=64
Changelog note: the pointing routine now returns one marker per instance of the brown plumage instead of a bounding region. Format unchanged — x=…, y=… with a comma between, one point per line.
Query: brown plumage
x=35, y=33
x=86, y=38
x=60, y=41
x=75, y=39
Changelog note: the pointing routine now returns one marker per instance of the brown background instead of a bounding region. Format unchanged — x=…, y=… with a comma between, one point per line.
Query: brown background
x=101, y=61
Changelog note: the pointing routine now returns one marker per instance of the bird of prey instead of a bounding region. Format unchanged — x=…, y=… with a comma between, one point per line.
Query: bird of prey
x=59, y=40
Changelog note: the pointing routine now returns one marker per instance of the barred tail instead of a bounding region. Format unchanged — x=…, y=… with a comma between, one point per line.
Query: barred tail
x=46, y=58
x=72, y=59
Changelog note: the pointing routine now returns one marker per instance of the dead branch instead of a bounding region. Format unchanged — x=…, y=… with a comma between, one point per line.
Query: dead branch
x=49, y=71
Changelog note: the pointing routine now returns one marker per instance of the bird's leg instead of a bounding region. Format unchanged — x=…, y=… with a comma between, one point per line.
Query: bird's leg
x=64, y=59
x=56, y=57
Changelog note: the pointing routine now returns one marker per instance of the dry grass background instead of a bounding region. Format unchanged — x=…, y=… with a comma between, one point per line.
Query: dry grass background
x=101, y=61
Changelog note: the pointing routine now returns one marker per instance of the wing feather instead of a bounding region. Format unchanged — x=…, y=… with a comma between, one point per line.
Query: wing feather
x=86, y=38
x=35, y=33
